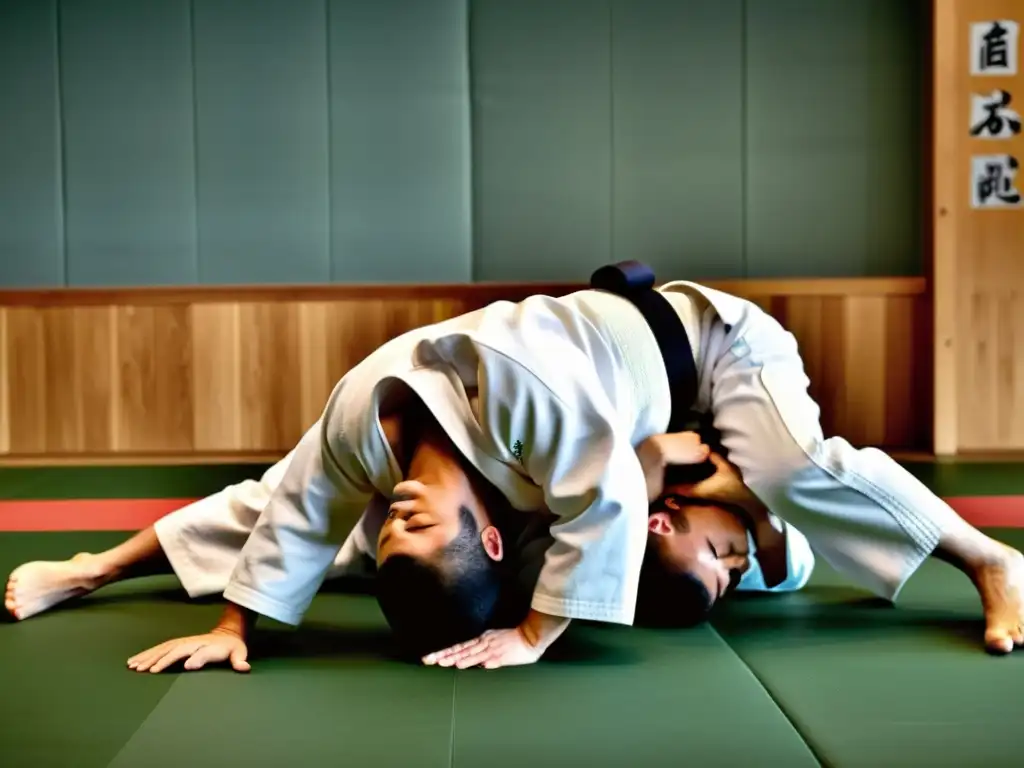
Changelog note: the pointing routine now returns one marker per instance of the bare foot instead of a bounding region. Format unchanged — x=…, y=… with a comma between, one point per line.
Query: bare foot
x=1000, y=582
x=38, y=586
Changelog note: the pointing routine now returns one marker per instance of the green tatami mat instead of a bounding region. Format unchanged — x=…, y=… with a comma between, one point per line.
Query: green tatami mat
x=165, y=482
x=826, y=675
x=968, y=478
x=66, y=698
x=327, y=695
x=614, y=696
x=869, y=684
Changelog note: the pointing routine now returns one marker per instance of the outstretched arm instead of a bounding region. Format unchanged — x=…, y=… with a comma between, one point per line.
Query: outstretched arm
x=284, y=561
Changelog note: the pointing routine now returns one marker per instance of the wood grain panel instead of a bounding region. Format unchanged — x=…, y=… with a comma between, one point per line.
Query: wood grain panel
x=5, y=410
x=216, y=377
x=154, y=372
x=58, y=379
x=948, y=52
x=95, y=375
x=270, y=398
x=26, y=356
x=978, y=258
x=157, y=374
x=864, y=369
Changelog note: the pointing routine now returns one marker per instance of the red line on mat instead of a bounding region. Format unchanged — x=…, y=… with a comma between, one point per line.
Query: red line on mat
x=135, y=514
x=990, y=511
x=85, y=514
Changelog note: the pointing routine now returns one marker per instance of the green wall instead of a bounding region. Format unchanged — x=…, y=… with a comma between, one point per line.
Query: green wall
x=294, y=141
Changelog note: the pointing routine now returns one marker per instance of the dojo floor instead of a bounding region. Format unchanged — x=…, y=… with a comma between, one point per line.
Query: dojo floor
x=826, y=677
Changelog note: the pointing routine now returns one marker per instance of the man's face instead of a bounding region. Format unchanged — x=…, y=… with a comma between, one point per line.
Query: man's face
x=424, y=515
x=708, y=542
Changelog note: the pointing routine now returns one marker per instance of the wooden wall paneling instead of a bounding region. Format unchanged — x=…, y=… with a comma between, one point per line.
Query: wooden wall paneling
x=989, y=390
x=818, y=322
x=990, y=381
x=978, y=257
x=1015, y=365
x=908, y=381
x=216, y=377
x=154, y=370
x=1009, y=386
x=58, y=379
x=5, y=374
x=270, y=400
x=26, y=356
x=801, y=316
x=93, y=378
x=976, y=418
x=864, y=371
x=947, y=49
x=321, y=356
x=1012, y=360
x=61, y=388
x=202, y=374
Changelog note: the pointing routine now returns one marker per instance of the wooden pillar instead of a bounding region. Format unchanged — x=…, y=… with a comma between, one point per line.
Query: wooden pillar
x=978, y=225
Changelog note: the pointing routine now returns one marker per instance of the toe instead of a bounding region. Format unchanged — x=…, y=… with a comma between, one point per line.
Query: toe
x=998, y=640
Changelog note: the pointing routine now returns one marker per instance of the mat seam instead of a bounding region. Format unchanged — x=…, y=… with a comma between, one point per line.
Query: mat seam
x=451, y=742
x=778, y=704
x=142, y=722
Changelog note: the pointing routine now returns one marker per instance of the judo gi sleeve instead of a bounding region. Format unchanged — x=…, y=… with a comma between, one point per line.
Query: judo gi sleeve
x=300, y=532
x=799, y=566
x=564, y=433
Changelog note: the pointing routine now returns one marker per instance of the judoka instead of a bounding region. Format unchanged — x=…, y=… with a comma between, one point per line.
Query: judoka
x=546, y=399
x=201, y=542
x=728, y=359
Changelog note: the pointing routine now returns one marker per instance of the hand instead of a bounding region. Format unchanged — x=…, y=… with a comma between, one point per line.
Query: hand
x=494, y=648
x=504, y=647
x=726, y=486
x=217, y=646
x=659, y=452
x=680, y=448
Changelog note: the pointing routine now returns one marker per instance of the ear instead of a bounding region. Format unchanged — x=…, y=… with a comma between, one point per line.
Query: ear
x=659, y=524
x=493, y=545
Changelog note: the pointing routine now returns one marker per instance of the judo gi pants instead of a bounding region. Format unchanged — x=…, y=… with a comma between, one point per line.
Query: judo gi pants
x=203, y=540
x=862, y=513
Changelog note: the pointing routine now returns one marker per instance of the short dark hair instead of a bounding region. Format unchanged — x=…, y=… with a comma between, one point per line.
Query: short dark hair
x=432, y=604
x=668, y=596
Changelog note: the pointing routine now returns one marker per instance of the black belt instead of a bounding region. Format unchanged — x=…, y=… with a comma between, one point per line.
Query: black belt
x=634, y=281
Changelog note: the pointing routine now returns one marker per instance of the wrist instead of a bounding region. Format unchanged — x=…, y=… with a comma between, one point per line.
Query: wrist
x=236, y=620
x=768, y=530
x=749, y=503
x=653, y=464
x=540, y=630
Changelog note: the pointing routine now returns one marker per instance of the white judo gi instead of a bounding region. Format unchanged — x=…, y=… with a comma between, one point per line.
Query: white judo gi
x=547, y=398
x=203, y=541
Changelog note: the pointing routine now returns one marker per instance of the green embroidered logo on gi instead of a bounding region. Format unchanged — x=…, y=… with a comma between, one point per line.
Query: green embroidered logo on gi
x=517, y=450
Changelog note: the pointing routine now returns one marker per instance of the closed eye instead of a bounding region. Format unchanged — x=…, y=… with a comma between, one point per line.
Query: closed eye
x=714, y=552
